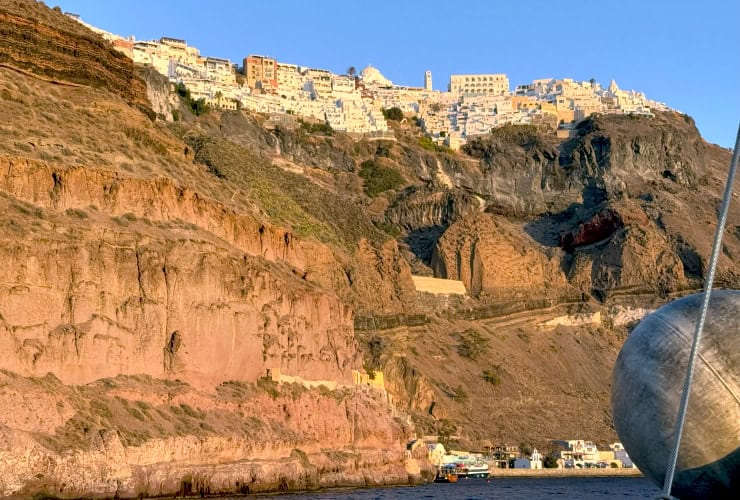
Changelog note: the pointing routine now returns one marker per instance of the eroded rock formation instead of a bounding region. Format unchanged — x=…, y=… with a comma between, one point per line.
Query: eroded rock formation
x=492, y=256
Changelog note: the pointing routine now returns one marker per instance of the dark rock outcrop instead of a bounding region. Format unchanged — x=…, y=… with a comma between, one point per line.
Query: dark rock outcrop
x=47, y=43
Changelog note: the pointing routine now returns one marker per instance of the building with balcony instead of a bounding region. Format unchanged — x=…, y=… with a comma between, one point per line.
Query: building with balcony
x=504, y=455
x=342, y=84
x=219, y=70
x=260, y=69
x=579, y=452
x=495, y=84
x=319, y=80
x=289, y=78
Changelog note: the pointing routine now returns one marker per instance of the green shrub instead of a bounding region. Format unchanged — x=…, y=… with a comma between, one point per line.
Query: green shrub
x=388, y=228
x=394, y=114
x=197, y=106
x=317, y=128
x=378, y=178
x=445, y=430
x=23, y=146
x=492, y=375
x=550, y=462
x=192, y=412
x=471, y=344
x=427, y=143
x=76, y=212
x=269, y=386
x=460, y=394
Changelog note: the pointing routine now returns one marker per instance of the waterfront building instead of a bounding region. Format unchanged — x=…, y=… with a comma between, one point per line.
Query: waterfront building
x=503, y=455
x=578, y=451
x=436, y=453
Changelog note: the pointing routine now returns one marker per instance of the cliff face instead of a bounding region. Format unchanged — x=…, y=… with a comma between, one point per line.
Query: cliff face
x=47, y=43
x=137, y=436
x=490, y=255
x=92, y=303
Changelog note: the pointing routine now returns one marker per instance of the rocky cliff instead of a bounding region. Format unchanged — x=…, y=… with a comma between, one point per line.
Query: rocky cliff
x=135, y=437
x=96, y=301
x=49, y=44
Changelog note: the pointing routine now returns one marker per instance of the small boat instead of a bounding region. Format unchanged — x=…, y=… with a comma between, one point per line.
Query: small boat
x=445, y=477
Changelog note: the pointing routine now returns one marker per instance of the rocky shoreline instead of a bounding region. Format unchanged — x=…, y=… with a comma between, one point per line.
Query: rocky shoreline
x=135, y=437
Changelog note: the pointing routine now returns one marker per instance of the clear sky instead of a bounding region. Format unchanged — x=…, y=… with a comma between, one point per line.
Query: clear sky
x=684, y=53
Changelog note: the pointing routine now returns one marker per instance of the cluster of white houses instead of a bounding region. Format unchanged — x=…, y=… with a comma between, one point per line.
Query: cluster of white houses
x=574, y=453
x=354, y=103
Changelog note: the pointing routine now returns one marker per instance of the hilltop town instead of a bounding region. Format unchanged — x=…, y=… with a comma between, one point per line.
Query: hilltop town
x=357, y=103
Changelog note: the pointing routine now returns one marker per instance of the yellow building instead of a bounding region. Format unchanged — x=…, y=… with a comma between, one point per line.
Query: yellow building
x=288, y=77
x=373, y=379
x=548, y=107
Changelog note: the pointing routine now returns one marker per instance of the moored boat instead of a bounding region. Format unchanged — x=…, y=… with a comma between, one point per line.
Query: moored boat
x=477, y=470
x=445, y=477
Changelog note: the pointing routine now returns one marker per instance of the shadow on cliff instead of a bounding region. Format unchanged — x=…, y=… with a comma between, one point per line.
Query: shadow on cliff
x=423, y=240
x=548, y=229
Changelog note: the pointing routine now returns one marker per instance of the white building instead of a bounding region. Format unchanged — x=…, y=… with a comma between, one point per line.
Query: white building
x=177, y=71
x=371, y=77
x=580, y=452
x=319, y=81
x=219, y=70
x=289, y=78
x=496, y=84
x=428, y=80
x=342, y=84
x=533, y=462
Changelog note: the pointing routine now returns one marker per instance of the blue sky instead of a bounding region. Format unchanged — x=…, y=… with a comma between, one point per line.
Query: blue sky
x=685, y=53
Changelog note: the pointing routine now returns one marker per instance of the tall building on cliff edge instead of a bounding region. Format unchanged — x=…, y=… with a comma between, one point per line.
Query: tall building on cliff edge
x=427, y=80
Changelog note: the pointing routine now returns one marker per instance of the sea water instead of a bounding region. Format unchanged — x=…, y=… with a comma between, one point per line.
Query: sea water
x=585, y=488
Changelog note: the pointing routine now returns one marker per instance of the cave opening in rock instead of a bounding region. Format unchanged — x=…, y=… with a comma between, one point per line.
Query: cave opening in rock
x=423, y=240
